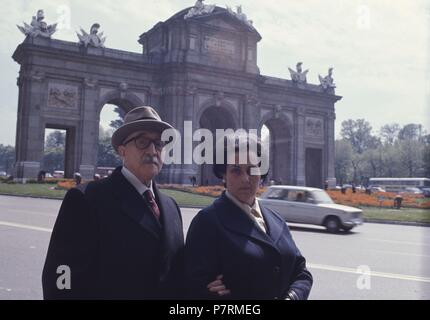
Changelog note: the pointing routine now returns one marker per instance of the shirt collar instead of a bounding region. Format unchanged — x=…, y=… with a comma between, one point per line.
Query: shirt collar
x=244, y=206
x=136, y=183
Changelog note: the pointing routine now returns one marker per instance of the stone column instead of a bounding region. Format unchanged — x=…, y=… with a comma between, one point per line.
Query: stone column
x=154, y=99
x=330, y=139
x=172, y=106
x=300, y=155
x=189, y=111
x=87, y=135
x=30, y=138
x=251, y=112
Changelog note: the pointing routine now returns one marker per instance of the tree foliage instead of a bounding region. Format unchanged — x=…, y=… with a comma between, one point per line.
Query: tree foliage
x=396, y=152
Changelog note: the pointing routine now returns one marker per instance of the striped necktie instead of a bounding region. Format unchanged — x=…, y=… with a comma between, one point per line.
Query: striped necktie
x=154, y=207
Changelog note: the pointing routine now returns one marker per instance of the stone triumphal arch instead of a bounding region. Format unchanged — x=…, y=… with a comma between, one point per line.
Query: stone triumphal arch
x=201, y=66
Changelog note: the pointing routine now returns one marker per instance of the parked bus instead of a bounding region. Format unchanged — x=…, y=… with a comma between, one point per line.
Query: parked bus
x=399, y=184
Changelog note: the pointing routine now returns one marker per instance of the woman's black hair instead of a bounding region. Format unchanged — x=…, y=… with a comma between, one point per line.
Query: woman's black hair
x=219, y=169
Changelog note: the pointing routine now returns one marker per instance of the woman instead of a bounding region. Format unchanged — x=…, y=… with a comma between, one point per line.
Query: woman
x=248, y=248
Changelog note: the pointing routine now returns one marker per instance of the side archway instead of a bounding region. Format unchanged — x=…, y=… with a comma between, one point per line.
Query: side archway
x=280, y=141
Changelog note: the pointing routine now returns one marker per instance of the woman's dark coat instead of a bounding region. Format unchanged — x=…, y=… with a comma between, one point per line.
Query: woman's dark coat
x=222, y=239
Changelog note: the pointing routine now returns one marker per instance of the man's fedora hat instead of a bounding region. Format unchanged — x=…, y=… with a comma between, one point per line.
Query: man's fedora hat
x=140, y=118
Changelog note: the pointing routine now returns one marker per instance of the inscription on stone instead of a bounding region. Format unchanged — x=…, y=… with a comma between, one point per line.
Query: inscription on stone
x=219, y=46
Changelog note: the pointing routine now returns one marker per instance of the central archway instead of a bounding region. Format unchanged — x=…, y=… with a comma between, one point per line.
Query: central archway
x=280, y=139
x=214, y=118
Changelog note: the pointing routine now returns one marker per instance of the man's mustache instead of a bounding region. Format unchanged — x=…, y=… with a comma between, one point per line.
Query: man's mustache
x=148, y=159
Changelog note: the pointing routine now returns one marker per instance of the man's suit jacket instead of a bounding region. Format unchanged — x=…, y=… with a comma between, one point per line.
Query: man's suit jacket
x=222, y=239
x=114, y=246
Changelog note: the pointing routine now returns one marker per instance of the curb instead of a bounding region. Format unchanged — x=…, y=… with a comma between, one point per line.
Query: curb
x=403, y=223
x=192, y=207
x=29, y=196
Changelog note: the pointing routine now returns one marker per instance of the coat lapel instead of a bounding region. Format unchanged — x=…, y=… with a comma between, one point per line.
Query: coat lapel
x=274, y=226
x=171, y=219
x=234, y=219
x=133, y=205
x=172, y=230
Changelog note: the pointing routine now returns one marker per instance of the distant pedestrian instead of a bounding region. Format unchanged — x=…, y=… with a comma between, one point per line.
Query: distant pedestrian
x=398, y=201
x=41, y=176
x=78, y=178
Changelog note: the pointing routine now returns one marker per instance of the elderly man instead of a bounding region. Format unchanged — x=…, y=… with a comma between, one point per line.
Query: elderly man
x=119, y=237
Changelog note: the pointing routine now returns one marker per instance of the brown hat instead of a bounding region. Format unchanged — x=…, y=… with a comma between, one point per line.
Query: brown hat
x=140, y=118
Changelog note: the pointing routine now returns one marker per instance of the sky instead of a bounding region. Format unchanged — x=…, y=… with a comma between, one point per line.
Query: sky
x=379, y=49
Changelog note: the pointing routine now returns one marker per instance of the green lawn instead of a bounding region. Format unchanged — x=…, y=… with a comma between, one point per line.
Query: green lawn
x=32, y=189
x=45, y=190
x=189, y=199
x=404, y=214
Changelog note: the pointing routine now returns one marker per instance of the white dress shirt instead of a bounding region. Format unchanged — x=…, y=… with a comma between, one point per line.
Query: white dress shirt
x=139, y=186
x=253, y=211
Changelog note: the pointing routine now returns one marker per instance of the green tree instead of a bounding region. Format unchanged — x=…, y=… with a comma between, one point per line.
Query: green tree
x=411, y=131
x=343, y=157
x=53, y=159
x=426, y=160
x=391, y=162
x=115, y=124
x=411, y=157
x=389, y=133
x=107, y=156
x=7, y=157
x=55, y=145
x=359, y=134
x=56, y=139
x=373, y=164
x=411, y=147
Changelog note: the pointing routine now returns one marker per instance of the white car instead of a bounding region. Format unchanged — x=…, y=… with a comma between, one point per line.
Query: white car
x=311, y=206
x=58, y=174
x=376, y=189
x=412, y=190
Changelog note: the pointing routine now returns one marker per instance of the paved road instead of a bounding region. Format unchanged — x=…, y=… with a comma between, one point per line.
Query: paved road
x=398, y=256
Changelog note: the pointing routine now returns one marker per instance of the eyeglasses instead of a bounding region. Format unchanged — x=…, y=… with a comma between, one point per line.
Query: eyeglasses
x=143, y=142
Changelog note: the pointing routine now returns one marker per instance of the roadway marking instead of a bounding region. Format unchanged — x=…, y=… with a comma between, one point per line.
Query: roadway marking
x=400, y=242
x=372, y=273
x=53, y=215
x=24, y=226
x=401, y=253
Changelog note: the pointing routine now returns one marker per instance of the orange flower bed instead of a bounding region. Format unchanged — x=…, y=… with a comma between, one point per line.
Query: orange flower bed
x=377, y=199
x=211, y=191
x=66, y=184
